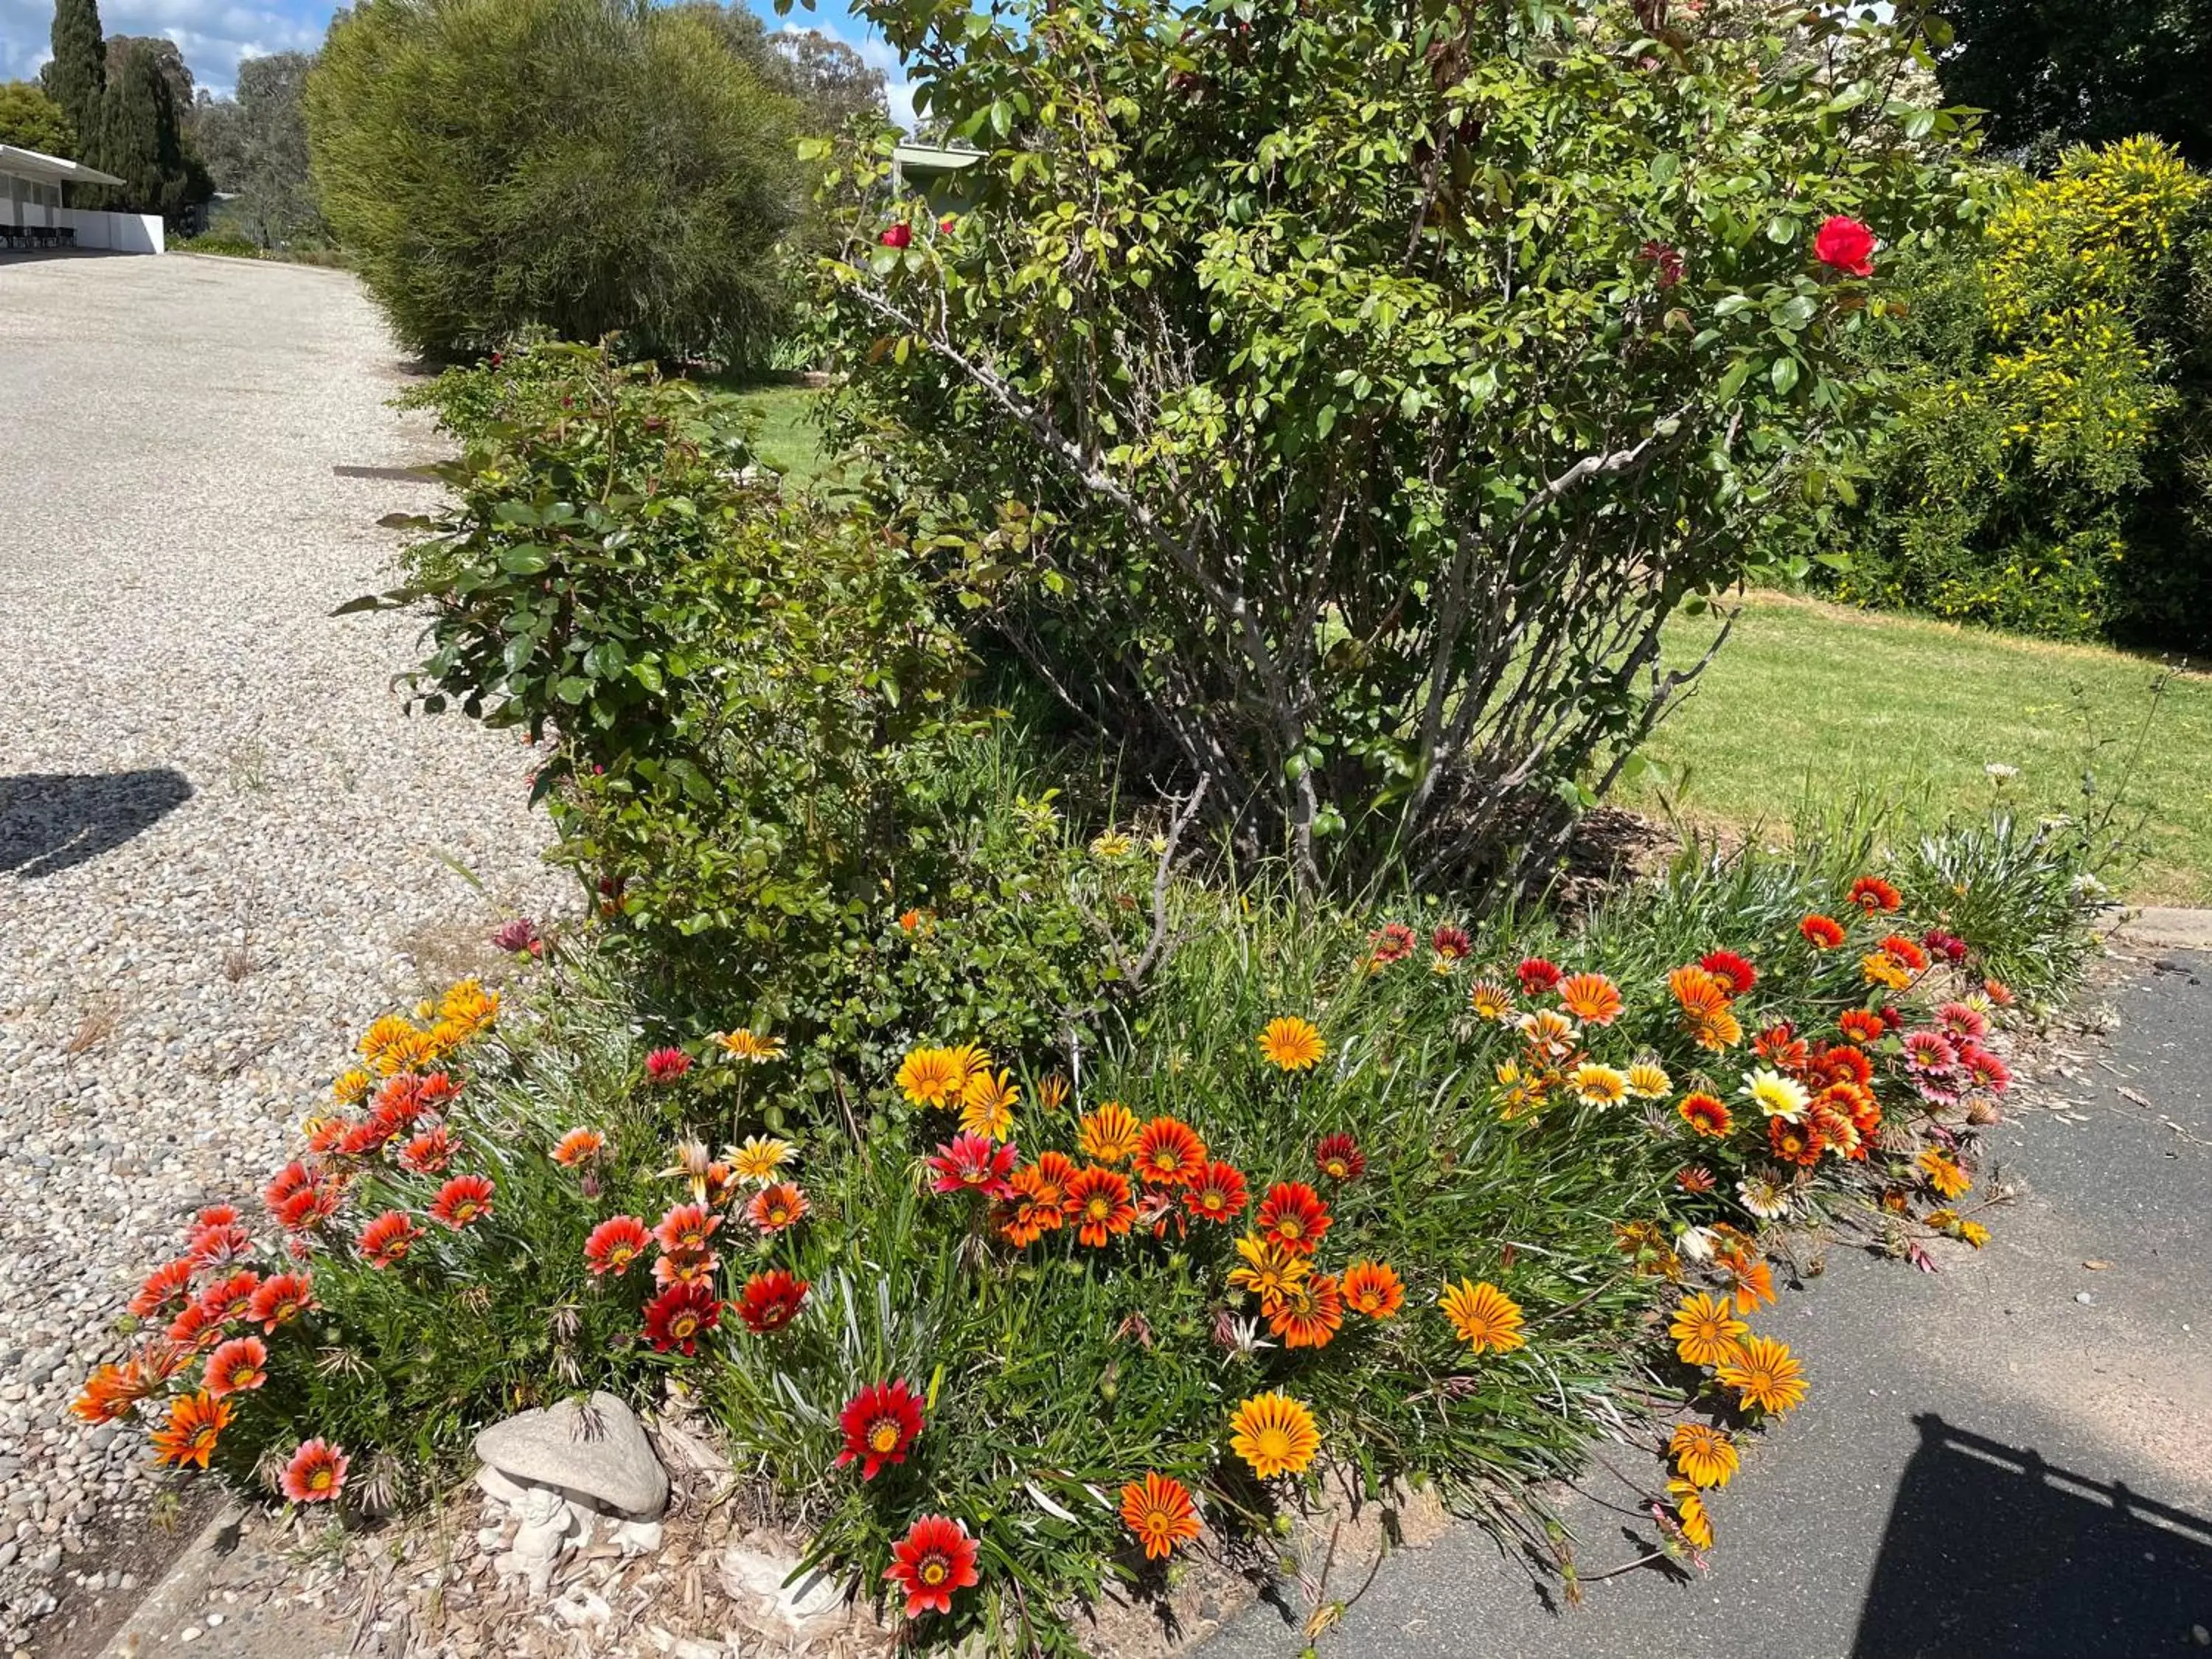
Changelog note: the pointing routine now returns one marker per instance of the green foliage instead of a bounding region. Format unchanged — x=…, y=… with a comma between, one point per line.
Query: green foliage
x=255, y=146
x=74, y=77
x=1333, y=401
x=2049, y=474
x=137, y=135
x=29, y=119
x=578, y=166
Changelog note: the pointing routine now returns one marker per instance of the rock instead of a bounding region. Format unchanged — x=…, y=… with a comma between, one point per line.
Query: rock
x=807, y=1610
x=605, y=1459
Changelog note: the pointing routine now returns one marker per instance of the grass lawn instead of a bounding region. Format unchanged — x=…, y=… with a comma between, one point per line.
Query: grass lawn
x=1815, y=697
x=787, y=439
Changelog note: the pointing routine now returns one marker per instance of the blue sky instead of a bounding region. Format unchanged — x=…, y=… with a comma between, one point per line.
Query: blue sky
x=214, y=34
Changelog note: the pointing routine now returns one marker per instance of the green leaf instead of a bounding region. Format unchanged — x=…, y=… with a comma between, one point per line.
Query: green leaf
x=1783, y=374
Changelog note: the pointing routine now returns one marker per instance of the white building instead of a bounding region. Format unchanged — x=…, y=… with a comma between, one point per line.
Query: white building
x=34, y=211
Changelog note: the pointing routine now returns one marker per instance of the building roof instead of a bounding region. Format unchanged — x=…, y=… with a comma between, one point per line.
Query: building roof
x=933, y=160
x=50, y=169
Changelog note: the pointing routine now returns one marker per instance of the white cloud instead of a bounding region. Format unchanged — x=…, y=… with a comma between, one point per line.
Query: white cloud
x=213, y=34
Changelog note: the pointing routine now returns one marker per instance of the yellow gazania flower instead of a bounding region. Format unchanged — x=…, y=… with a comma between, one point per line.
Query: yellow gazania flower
x=410, y=1052
x=1051, y=1092
x=986, y=1105
x=1108, y=1135
x=1705, y=1333
x=1484, y=1315
x=1274, y=1434
x=1706, y=1456
x=1764, y=1374
x=447, y=1035
x=352, y=1086
x=759, y=1158
x=382, y=1034
x=1690, y=1515
x=1112, y=845
x=1648, y=1080
x=469, y=1007
x=1881, y=968
x=1974, y=1233
x=1291, y=1044
x=1944, y=1176
x=1598, y=1085
x=1776, y=1095
x=932, y=1077
x=1270, y=1272
x=749, y=1047
x=1490, y=1000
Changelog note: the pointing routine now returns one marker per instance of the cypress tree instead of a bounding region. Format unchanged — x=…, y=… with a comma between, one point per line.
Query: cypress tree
x=77, y=75
x=137, y=138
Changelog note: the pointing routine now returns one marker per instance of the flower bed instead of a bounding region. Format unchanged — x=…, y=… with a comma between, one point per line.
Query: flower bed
x=1334, y=1204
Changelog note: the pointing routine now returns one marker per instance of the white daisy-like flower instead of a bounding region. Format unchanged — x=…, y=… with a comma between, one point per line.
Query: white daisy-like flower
x=1776, y=1095
x=1764, y=1196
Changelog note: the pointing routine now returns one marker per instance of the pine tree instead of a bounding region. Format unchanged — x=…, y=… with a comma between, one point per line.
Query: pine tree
x=77, y=75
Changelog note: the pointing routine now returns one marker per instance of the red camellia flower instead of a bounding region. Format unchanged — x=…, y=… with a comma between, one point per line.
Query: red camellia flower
x=879, y=1423
x=240, y=1365
x=280, y=1297
x=686, y=1228
x=1845, y=244
x=680, y=1316
x=1339, y=1158
x=896, y=236
x=1217, y=1195
x=771, y=1301
x=316, y=1473
x=1293, y=1217
x=667, y=1065
x=1536, y=975
x=615, y=1243
x=1821, y=933
x=936, y=1557
x=386, y=1240
x=166, y=1291
x=461, y=1200
x=1169, y=1154
x=1731, y=969
x=972, y=1164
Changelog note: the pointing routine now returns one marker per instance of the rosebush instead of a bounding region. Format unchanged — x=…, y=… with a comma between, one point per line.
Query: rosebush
x=1332, y=403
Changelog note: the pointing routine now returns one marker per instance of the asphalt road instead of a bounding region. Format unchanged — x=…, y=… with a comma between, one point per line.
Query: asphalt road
x=2011, y=1458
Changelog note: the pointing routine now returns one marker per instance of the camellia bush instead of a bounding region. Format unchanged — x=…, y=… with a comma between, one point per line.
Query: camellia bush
x=1334, y=402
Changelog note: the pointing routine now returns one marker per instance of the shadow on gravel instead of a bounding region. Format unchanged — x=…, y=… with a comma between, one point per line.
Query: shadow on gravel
x=1992, y=1552
x=53, y=821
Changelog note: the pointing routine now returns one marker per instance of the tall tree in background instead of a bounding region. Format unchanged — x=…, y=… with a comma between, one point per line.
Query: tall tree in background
x=255, y=146
x=831, y=79
x=78, y=73
x=2056, y=72
x=137, y=135
x=31, y=120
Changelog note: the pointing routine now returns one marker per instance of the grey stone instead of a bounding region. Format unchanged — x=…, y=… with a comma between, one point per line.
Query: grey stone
x=603, y=1457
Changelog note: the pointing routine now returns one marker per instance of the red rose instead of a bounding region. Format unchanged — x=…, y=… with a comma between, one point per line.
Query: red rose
x=901, y=235
x=1845, y=244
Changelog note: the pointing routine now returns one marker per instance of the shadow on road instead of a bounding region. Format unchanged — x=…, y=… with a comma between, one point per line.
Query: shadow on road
x=53, y=821
x=1990, y=1552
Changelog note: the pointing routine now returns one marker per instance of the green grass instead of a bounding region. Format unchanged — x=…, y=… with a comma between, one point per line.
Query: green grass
x=788, y=439
x=1807, y=701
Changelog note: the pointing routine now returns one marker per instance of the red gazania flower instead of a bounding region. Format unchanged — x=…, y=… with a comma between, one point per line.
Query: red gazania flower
x=896, y=236
x=936, y=1557
x=771, y=1301
x=680, y=1316
x=973, y=1163
x=463, y=1199
x=686, y=1228
x=399, y=1103
x=1099, y=1204
x=238, y=1366
x=282, y=1298
x=1844, y=244
x=1983, y=1069
x=615, y=1243
x=218, y=1244
x=1158, y=1512
x=1169, y=1154
x=196, y=1421
x=1839, y=1063
x=1821, y=933
x=385, y=1241
x=1339, y=1158
x=1696, y=1178
x=166, y=1291
x=1949, y=946
x=310, y=1207
x=1903, y=952
x=1451, y=942
x=1706, y=1115
x=579, y=1147
x=368, y=1135
x=1392, y=942
x=1293, y=1217
x=1780, y=1044
x=781, y=1206
x=879, y=1423
x=1217, y=1195
x=667, y=1065
x=316, y=1473
x=216, y=1215
x=1794, y=1143
x=226, y=1301
x=1536, y=975
x=1861, y=1025
x=1928, y=1051
x=1874, y=895
x=293, y=1177
x=433, y=1091
x=192, y=1331
x=1373, y=1288
x=1731, y=969
x=1963, y=1020
x=430, y=1152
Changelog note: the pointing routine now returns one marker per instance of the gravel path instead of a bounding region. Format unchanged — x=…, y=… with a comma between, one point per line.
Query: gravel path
x=222, y=848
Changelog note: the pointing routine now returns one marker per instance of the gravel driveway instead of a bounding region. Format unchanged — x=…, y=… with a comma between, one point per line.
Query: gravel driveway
x=223, y=847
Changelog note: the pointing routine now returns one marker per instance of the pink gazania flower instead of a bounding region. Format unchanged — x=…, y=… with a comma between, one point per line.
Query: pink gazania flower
x=972, y=1164
x=665, y=1065
x=615, y=1243
x=1928, y=1051
x=1960, y=1020
x=464, y=1200
x=518, y=936
x=316, y=1473
x=1983, y=1069
x=1949, y=946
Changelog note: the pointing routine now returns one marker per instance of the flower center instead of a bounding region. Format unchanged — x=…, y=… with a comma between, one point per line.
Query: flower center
x=934, y=1570
x=1288, y=1227
x=1098, y=1209
x=885, y=1436
x=1212, y=1201
x=1274, y=1443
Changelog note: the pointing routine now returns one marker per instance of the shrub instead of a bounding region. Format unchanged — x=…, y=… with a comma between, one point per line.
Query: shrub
x=1334, y=402
x=31, y=120
x=574, y=165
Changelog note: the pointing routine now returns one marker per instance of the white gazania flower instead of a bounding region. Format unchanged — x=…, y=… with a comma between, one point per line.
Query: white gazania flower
x=1776, y=1095
x=1763, y=1197
x=1698, y=1244
x=1999, y=771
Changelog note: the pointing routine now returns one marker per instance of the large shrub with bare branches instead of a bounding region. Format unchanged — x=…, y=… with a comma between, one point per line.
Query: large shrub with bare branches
x=1337, y=399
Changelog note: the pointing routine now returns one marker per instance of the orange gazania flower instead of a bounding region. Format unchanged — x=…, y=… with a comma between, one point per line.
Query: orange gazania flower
x=1821, y=933
x=1861, y=1025
x=1098, y=1203
x=1484, y=1315
x=1308, y=1313
x=934, y=1560
x=166, y=1291
x=775, y=1207
x=1274, y=1434
x=1749, y=1279
x=686, y=1229
x=1108, y=1135
x=463, y=1199
x=1169, y=1154
x=112, y=1391
x=1707, y=1114
x=1880, y=968
x=1591, y=997
x=1943, y=1175
x=1765, y=1374
x=1706, y=1456
x=1293, y=1217
x=1793, y=1141
x=1217, y=1195
x=1291, y=1044
x=1696, y=1178
x=1373, y=1288
x=195, y=1422
x=932, y=1077
x=1903, y=951
x=239, y=1365
x=1874, y=895
x=1705, y=1333
x=1051, y=1092
x=1339, y=1158
x=1158, y=1512
x=578, y=1146
x=1036, y=1208
x=316, y=1473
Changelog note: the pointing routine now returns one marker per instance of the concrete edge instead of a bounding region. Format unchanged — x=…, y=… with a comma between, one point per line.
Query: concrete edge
x=171, y=1600
x=2165, y=926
